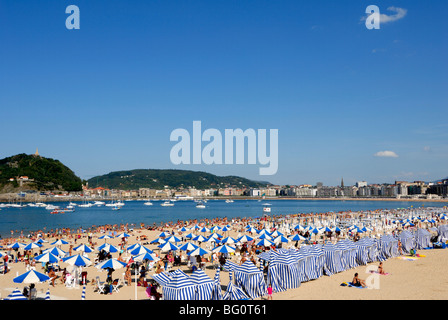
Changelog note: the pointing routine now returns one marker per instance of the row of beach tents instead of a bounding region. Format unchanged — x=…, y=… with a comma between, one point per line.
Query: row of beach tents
x=288, y=268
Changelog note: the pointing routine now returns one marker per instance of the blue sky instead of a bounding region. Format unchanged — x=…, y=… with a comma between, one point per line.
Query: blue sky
x=107, y=96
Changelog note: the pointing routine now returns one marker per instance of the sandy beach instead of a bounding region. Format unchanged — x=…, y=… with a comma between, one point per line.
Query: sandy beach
x=421, y=279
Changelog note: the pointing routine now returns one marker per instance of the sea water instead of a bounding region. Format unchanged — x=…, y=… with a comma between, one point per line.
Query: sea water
x=135, y=212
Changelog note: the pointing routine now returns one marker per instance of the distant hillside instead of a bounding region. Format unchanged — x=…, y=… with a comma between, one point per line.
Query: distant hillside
x=44, y=173
x=158, y=179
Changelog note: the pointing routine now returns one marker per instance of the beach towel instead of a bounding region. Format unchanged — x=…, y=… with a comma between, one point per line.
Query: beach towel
x=351, y=285
x=408, y=258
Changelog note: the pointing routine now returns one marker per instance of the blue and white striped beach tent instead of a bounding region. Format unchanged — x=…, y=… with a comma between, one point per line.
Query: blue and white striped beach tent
x=250, y=279
x=443, y=232
x=161, y=278
x=180, y=287
x=217, y=291
x=204, y=285
x=16, y=295
x=233, y=292
x=422, y=239
x=229, y=265
x=283, y=271
x=348, y=250
x=366, y=251
x=387, y=247
x=407, y=241
x=314, y=261
x=333, y=259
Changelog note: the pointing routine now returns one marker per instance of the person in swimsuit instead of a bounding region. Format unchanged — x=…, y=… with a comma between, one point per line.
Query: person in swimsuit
x=358, y=282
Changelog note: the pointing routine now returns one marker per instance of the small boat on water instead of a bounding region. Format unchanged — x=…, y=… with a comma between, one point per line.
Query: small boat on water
x=116, y=208
x=267, y=208
x=229, y=201
x=167, y=204
x=200, y=205
x=148, y=203
x=57, y=211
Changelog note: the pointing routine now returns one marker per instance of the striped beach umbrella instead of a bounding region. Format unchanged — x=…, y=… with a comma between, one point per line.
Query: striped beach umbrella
x=31, y=276
x=281, y=238
x=199, y=238
x=188, y=247
x=190, y=236
x=83, y=248
x=16, y=295
x=297, y=237
x=77, y=260
x=56, y=251
x=265, y=243
x=17, y=245
x=224, y=249
x=123, y=235
x=173, y=239
x=139, y=250
x=157, y=240
x=32, y=245
x=108, y=248
x=205, y=229
x=47, y=295
x=47, y=257
x=145, y=256
x=265, y=236
x=198, y=252
x=244, y=238
x=164, y=234
x=105, y=237
x=111, y=263
x=228, y=240
x=59, y=242
x=168, y=246
x=183, y=229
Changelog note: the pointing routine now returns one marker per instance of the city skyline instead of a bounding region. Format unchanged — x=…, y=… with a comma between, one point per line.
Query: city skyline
x=348, y=102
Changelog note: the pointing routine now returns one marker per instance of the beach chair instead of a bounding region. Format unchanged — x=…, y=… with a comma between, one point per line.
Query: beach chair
x=116, y=284
x=100, y=286
x=69, y=281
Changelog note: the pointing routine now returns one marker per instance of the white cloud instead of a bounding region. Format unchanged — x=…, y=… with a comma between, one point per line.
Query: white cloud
x=387, y=154
x=427, y=148
x=400, y=13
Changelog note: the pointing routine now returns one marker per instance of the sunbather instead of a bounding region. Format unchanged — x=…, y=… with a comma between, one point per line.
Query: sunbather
x=358, y=282
x=381, y=269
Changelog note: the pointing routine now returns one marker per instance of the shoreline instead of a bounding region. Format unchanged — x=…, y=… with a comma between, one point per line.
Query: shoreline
x=78, y=199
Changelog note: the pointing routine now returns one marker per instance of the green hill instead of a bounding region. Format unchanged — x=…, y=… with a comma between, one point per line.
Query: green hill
x=44, y=173
x=158, y=179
